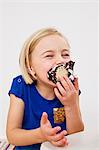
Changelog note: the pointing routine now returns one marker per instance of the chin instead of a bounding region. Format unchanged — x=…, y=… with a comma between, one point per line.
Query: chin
x=53, y=85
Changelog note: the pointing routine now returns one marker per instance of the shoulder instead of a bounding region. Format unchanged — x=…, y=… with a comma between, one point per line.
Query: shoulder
x=19, y=82
x=18, y=86
x=19, y=79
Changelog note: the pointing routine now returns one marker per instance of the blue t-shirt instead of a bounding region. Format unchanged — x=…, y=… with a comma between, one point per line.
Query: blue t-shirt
x=35, y=105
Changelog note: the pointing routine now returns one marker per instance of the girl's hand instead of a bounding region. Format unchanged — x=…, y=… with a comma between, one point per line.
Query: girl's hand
x=66, y=92
x=50, y=134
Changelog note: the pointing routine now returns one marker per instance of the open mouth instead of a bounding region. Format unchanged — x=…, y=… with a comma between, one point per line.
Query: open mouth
x=61, y=70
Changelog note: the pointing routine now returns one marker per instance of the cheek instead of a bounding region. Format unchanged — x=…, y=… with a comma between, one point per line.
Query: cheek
x=42, y=68
x=67, y=60
x=46, y=67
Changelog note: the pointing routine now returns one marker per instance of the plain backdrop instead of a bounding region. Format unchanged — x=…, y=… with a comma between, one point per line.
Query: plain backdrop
x=78, y=21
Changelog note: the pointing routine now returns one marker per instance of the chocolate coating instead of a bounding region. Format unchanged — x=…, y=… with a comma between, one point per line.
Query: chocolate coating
x=61, y=70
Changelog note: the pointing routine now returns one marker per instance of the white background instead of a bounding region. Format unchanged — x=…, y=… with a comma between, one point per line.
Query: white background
x=78, y=21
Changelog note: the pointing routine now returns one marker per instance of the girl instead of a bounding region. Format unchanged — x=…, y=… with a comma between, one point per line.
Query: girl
x=33, y=97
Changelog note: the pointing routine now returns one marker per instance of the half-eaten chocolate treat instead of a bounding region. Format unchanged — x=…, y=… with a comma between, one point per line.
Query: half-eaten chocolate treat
x=61, y=70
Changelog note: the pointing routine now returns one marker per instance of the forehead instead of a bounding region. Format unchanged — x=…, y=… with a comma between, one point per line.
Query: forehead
x=52, y=42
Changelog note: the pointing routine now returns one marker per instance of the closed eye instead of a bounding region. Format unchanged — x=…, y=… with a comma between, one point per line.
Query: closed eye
x=65, y=55
x=49, y=56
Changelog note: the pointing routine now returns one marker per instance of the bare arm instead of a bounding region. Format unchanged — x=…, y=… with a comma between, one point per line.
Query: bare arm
x=73, y=119
x=15, y=134
x=68, y=95
x=73, y=114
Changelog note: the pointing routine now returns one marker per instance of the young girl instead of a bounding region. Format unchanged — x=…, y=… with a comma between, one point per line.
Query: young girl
x=33, y=97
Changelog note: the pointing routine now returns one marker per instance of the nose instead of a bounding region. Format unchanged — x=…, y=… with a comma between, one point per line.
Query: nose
x=59, y=59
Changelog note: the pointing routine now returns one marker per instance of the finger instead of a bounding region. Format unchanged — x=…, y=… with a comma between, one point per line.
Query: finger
x=61, y=89
x=61, y=142
x=53, y=131
x=59, y=136
x=76, y=85
x=69, y=83
x=57, y=93
x=64, y=84
x=44, y=118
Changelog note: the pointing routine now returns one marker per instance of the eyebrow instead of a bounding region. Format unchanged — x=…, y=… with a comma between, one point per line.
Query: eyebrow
x=68, y=50
x=48, y=51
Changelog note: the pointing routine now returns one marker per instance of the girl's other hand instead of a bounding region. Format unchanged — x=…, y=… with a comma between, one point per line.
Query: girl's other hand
x=50, y=134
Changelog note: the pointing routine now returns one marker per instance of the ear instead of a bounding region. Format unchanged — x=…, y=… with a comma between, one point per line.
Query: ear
x=32, y=72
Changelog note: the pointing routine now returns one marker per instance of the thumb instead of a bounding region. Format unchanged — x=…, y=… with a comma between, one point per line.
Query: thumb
x=44, y=118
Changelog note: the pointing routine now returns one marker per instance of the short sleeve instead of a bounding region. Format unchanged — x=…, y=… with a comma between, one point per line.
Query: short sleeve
x=17, y=87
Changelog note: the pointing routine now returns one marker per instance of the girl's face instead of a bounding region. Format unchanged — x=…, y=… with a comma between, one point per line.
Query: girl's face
x=50, y=51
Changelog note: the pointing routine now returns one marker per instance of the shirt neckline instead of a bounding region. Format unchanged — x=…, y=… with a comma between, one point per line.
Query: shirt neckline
x=47, y=100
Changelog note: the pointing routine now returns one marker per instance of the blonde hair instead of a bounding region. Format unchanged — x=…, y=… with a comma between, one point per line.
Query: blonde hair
x=28, y=47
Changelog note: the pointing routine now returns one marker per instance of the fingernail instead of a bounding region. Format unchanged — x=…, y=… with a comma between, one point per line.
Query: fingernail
x=65, y=132
x=44, y=113
x=58, y=128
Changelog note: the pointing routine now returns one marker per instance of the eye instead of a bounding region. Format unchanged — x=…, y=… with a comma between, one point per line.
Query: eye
x=65, y=55
x=49, y=56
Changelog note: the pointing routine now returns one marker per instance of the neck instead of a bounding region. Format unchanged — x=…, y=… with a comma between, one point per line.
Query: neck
x=46, y=92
